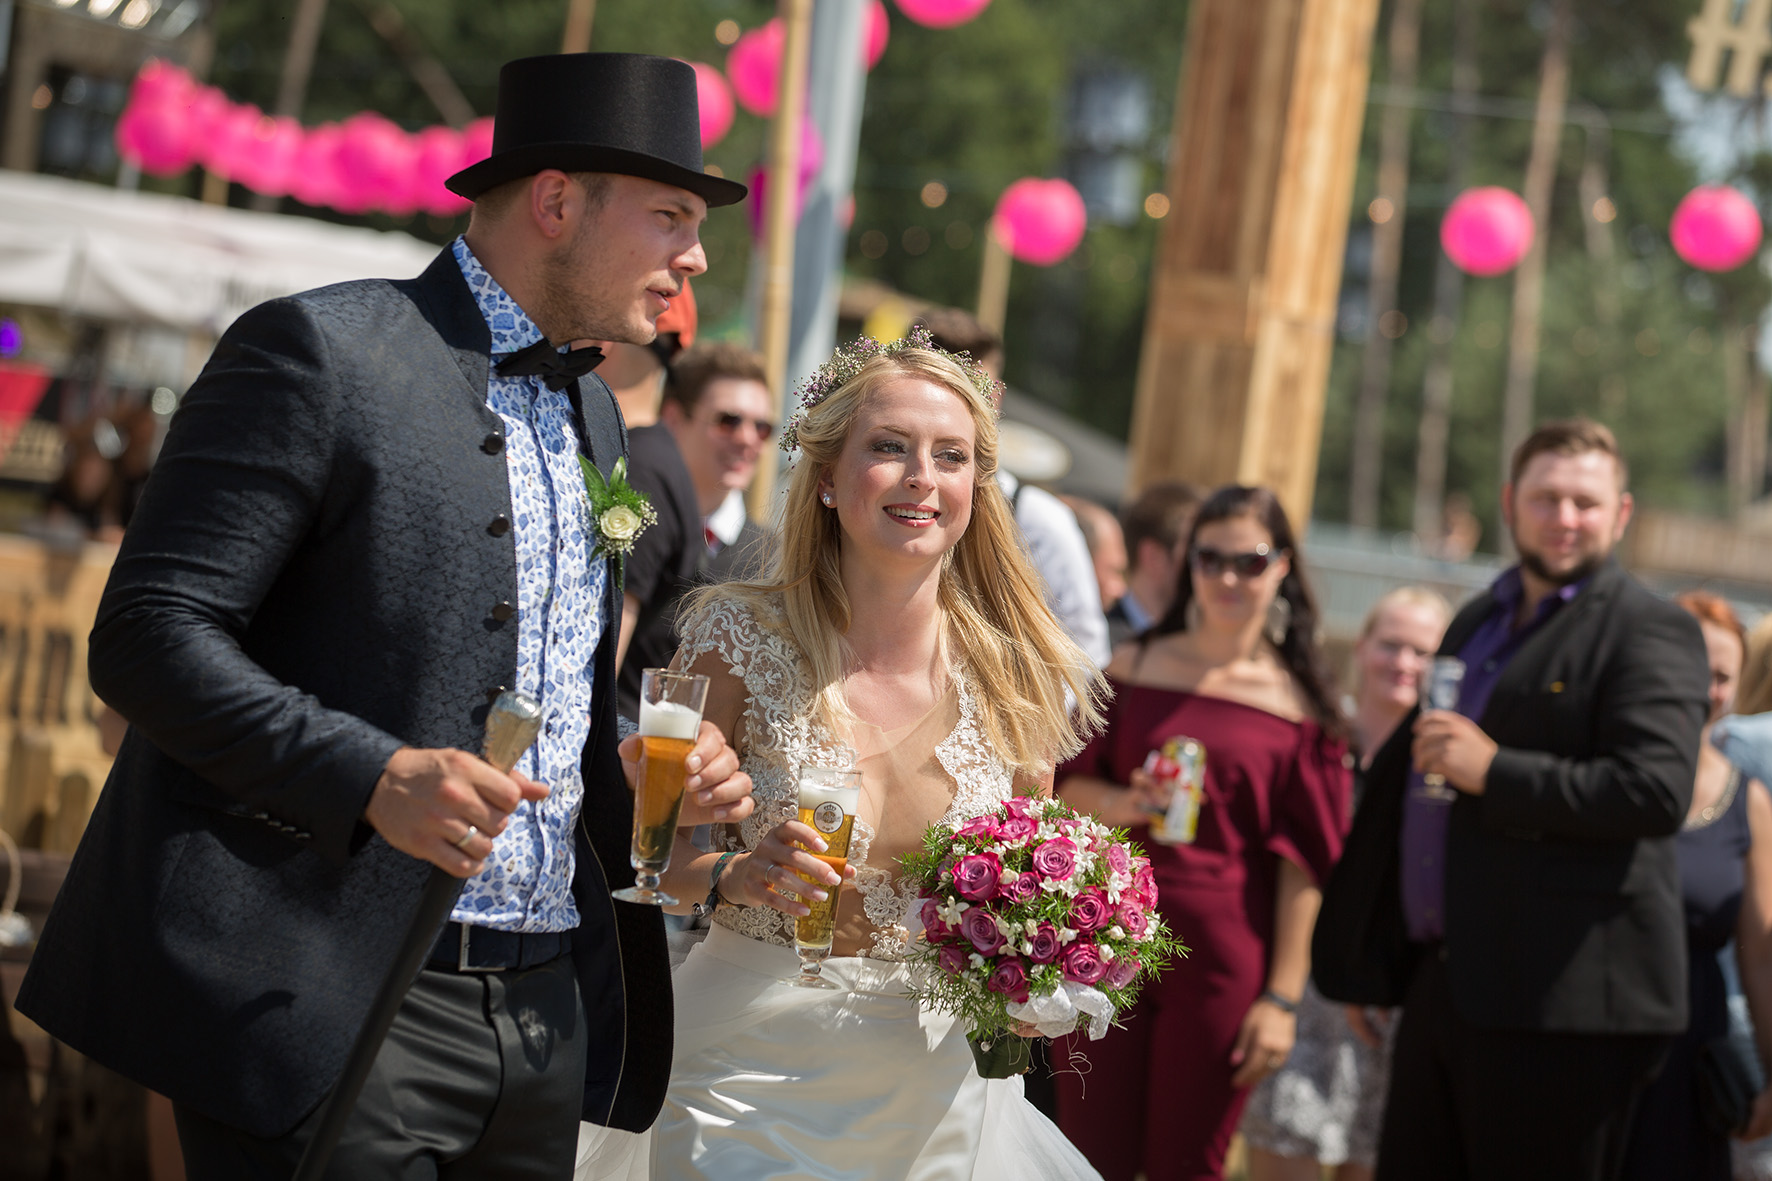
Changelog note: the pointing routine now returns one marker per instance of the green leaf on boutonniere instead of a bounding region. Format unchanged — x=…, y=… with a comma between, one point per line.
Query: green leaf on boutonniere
x=619, y=512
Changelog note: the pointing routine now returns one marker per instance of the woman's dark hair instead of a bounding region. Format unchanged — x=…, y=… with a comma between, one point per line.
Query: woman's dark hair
x=1298, y=651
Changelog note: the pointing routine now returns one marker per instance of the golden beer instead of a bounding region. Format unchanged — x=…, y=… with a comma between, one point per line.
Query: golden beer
x=663, y=771
x=670, y=719
x=828, y=797
x=814, y=930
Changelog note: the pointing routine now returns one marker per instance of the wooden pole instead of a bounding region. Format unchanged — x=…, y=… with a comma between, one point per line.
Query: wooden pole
x=778, y=220
x=1243, y=293
x=1541, y=175
x=1366, y=466
x=993, y=282
x=1436, y=384
x=292, y=89
x=580, y=15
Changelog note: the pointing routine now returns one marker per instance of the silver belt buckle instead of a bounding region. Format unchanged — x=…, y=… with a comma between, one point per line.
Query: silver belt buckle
x=461, y=959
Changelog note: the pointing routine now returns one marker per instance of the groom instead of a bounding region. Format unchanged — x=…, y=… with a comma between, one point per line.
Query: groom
x=368, y=518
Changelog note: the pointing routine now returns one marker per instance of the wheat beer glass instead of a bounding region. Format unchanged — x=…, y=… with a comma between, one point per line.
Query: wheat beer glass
x=670, y=718
x=828, y=796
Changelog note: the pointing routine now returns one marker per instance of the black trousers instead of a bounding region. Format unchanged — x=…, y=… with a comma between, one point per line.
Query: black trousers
x=482, y=1076
x=1507, y=1105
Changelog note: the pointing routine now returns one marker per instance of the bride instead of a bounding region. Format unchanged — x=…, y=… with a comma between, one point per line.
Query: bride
x=901, y=633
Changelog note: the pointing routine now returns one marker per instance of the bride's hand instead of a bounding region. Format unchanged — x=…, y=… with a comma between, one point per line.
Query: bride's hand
x=715, y=792
x=766, y=875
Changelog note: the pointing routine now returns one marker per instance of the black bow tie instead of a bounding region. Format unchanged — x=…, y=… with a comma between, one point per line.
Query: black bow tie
x=557, y=369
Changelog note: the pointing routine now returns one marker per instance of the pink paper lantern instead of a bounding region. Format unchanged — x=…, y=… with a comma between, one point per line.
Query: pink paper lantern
x=266, y=158
x=753, y=67
x=1487, y=231
x=942, y=14
x=161, y=82
x=1715, y=228
x=315, y=180
x=375, y=159
x=226, y=142
x=156, y=138
x=437, y=156
x=879, y=32
x=1040, y=221
x=811, y=160
x=476, y=141
x=714, y=96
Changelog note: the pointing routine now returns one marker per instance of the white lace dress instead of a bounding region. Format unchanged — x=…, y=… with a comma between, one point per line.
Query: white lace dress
x=769, y=1080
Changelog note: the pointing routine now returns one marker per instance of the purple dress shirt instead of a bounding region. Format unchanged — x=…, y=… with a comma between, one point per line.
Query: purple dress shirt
x=1427, y=810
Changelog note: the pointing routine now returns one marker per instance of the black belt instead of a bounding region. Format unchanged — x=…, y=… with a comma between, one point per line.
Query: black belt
x=465, y=948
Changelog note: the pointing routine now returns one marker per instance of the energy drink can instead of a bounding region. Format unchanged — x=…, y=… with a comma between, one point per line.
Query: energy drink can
x=1181, y=762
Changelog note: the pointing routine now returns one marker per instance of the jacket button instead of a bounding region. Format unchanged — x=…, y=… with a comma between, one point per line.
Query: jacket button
x=500, y=526
x=503, y=611
x=492, y=444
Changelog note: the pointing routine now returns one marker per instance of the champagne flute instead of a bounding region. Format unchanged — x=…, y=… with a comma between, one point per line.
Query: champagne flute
x=828, y=797
x=670, y=718
x=1445, y=677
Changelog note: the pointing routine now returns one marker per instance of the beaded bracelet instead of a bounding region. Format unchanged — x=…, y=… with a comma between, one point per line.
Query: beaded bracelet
x=712, y=902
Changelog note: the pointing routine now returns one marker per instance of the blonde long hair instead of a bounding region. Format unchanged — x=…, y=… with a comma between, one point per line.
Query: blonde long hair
x=1754, y=693
x=996, y=618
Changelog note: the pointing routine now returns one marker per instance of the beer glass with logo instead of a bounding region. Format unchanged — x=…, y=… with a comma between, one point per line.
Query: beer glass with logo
x=828, y=797
x=670, y=718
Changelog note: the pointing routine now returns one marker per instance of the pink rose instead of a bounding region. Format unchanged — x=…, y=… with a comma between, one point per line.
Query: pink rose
x=1121, y=972
x=1017, y=827
x=1144, y=886
x=976, y=876
x=1134, y=919
x=1057, y=858
x=1118, y=860
x=1025, y=888
x=1018, y=806
x=929, y=912
x=980, y=929
x=952, y=960
x=1045, y=943
x=1081, y=961
x=979, y=826
x=1090, y=911
x=1011, y=979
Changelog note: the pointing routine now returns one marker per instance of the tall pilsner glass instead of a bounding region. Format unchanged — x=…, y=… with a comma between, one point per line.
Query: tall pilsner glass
x=1445, y=679
x=828, y=797
x=670, y=718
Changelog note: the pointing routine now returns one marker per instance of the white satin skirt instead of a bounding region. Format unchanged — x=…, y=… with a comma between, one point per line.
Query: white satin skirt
x=853, y=1084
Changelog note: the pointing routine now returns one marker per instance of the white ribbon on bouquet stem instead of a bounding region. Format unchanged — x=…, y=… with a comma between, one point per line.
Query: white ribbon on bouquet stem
x=1055, y=1014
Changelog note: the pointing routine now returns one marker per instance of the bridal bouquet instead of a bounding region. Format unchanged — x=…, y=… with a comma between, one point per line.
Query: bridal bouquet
x=1034, y=915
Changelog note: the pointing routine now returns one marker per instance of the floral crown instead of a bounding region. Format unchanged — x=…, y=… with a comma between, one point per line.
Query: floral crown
x=848, y=361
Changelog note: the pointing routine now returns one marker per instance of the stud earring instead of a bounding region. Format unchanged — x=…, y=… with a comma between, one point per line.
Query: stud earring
x=827, y=499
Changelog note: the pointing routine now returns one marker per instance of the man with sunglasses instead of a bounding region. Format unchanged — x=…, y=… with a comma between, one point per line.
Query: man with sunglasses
x=1510, y=879
x=717, y=406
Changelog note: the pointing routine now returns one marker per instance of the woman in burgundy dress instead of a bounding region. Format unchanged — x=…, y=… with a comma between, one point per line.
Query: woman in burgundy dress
x=1235, y=666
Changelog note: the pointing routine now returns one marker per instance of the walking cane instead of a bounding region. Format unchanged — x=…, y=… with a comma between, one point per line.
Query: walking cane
x=511, y=725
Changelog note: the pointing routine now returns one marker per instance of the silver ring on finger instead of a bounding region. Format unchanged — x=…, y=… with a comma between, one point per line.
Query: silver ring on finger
x=467, y=836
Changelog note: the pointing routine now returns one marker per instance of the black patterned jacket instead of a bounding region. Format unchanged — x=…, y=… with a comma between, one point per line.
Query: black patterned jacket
x=310, y=583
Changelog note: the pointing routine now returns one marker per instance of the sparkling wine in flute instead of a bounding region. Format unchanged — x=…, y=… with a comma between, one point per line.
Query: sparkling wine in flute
x=670, y=718
x=828, y=798
x=1445, y=678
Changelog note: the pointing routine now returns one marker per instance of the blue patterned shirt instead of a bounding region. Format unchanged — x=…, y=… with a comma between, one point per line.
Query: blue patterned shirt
x=527, y=882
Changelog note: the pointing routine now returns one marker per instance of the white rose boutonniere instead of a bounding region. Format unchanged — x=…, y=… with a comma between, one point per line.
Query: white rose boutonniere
x=619, y=514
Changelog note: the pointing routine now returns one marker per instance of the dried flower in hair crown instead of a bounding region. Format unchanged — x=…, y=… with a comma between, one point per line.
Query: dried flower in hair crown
x=848, y=360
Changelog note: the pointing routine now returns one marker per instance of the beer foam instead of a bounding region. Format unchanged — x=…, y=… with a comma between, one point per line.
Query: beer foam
x=814, y=794
x=667, y=719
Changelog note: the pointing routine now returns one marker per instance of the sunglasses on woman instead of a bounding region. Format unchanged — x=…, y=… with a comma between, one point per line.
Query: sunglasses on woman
x=729, y=423
x=1212, y=563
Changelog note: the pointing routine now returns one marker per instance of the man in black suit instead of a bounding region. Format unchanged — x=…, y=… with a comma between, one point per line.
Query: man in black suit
x=367, y=519
x=1516, y=891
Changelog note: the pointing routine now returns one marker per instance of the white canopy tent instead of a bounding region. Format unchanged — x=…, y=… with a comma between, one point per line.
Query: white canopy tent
x=146, y=258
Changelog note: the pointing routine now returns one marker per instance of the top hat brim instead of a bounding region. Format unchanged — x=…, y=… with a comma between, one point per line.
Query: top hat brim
x=530, y=159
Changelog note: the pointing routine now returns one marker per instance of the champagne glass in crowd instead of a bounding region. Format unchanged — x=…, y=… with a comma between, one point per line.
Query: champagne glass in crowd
x=1445, y=677
x=828, y=797
x=670, y=718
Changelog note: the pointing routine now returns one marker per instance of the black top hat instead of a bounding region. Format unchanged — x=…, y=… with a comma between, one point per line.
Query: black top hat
x=629, y=113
